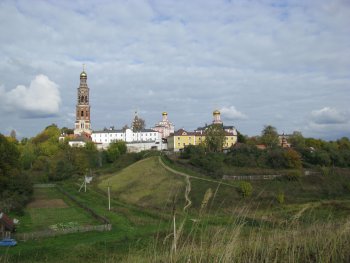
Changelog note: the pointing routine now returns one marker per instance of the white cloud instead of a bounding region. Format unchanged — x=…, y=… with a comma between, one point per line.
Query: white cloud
x=187, y=57
x=40, y=99
x=328, y=115
x=231, y=113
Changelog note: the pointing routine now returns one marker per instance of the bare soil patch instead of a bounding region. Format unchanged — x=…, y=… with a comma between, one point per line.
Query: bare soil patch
x=47, y=203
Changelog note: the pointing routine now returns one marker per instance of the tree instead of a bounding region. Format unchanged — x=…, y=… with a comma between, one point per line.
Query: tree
x=269, y=136
x=241, y=138
x=214, y=138
x=297, y=140
x=116, y=149
x=138, y=123
x=13, y=135
x=293, y=159
x=66, y=130
x=15, y=188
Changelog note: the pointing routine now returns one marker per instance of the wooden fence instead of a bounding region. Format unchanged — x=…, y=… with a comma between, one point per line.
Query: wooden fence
x=252, y=177
x=52, y=233
x=102, y=219
x=106, y=226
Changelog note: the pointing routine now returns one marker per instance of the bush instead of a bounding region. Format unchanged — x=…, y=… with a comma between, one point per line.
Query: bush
x=293, y=175
x=280, y=198
x=246, y=189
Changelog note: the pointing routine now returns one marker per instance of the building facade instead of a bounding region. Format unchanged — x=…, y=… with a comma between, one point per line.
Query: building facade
x=181, y=138
x=107, y=136
x=164, y=127
x=82, y=113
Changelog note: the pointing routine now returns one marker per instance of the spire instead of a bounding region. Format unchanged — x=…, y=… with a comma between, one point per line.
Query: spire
x=83, y=74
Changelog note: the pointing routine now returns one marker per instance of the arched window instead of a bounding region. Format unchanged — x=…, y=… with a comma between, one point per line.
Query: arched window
x=82, y=114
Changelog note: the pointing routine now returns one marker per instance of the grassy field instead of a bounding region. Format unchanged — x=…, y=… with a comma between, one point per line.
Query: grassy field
x=50, y=207
x=311, y=225
x=144, y=183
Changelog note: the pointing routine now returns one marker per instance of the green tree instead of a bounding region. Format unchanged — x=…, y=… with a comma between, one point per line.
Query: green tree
x=269, y=136
x=297, y=140
x=116, y=149
x=15, y=188
x=214, y=138
x=241, y=138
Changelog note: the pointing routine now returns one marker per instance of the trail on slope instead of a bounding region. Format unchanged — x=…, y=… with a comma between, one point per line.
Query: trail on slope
x=187, y=191
x=190, y=176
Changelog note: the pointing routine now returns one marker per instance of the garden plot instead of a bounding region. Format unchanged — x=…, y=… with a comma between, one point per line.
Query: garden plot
x=51, y=208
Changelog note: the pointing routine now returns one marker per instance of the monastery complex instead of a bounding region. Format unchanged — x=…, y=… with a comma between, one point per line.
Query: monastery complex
x=160, y=137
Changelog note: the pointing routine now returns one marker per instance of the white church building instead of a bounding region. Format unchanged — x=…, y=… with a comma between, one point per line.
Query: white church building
x=141, y=140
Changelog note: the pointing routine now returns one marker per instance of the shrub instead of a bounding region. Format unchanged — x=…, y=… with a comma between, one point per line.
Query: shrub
x=293, y=175
x=246, y=189
x=280, y=198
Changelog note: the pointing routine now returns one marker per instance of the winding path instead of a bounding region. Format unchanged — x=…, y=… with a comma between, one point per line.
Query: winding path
x=190, y=176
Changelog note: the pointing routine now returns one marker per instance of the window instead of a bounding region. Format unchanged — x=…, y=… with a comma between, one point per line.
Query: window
x=82, y=114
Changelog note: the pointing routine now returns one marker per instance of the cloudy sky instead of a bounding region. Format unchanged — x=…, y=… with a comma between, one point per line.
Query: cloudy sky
x=283, y=63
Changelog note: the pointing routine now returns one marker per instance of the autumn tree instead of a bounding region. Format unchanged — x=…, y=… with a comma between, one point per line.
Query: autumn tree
x=138, y=124
x=214, y=138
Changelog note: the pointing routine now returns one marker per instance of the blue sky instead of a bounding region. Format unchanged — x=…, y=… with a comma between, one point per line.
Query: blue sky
x=283, y=63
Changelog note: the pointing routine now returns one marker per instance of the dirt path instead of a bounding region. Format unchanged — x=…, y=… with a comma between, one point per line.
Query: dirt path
x=187, y=191
x=190, y=176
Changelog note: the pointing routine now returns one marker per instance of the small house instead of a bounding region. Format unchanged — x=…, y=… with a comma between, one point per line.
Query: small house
x=7, y=225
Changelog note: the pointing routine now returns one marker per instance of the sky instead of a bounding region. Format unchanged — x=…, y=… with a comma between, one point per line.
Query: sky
x=260, y=62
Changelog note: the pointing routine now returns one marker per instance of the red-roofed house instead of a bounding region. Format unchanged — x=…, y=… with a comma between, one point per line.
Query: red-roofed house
x=6, y=225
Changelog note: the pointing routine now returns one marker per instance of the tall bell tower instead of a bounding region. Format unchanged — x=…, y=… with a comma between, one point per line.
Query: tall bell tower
x=82, y=115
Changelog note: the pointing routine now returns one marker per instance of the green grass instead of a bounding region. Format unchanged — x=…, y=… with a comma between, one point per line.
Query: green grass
x=36, y=219
x=312, y=224
x=144, y=183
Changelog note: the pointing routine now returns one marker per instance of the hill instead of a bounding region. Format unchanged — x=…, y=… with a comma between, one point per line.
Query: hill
x=144, y=183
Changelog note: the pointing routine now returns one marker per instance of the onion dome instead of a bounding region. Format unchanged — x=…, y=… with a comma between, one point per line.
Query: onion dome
x=83, y=75
x=216, y=112
x=164, y=113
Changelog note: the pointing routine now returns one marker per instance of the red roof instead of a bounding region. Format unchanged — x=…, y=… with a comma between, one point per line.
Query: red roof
x=7, y=222
x=182, y=132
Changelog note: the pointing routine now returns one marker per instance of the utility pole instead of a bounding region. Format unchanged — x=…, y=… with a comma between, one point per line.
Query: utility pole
x=109, y=198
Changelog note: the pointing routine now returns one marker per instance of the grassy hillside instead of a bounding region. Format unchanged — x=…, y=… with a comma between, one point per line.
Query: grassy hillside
x=219, y=225
x=144, y=183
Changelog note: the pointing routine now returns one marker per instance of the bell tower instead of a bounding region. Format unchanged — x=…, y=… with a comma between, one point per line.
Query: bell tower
x=82, y=115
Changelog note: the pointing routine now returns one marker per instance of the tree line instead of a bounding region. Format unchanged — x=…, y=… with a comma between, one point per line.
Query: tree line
x=303, y=152
x=44, y=159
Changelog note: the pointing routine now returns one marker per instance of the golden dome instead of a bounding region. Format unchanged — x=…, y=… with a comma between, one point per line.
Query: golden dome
x=83, y=74
x=164, y=113
x=216, y=112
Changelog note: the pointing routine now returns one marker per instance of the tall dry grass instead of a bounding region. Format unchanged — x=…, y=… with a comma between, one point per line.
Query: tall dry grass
x=201, y=241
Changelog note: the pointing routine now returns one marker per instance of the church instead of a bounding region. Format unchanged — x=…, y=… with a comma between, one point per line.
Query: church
x=161, y=137
x=136, y=139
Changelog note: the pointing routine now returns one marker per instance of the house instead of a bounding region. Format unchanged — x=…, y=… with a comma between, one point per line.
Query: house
x=79, y=141
x=180, y=139
x=6, y=225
